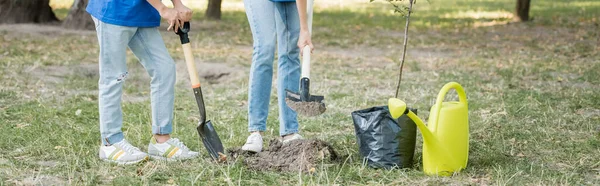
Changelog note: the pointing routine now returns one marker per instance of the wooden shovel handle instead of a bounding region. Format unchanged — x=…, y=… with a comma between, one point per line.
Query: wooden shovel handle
x=191, y=66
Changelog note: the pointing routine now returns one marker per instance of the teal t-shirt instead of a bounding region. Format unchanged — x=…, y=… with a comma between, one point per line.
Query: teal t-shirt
x=133, y=13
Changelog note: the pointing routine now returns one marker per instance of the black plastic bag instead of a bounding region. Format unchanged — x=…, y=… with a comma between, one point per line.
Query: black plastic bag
x=383, y=141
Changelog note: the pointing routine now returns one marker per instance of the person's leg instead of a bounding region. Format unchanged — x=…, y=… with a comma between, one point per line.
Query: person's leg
x=148, y=46
x=262, y=25
x=113, y=40
x=288, y=75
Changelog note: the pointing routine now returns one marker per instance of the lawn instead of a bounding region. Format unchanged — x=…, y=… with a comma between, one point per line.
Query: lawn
x=534, y=106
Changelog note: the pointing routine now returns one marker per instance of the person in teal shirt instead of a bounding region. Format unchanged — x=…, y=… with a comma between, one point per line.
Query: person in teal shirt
x=133, y=24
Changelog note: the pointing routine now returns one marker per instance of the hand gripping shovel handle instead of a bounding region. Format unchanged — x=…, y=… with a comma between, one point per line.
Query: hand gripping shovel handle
x=191, y=67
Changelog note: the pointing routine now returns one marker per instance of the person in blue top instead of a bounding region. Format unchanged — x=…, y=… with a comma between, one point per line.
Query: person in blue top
x=281, y=25
x=133, y=24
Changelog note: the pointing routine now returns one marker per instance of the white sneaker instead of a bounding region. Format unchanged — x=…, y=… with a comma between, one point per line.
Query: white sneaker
x=122, y=153
x=170, y=150
x=254, y=143
x=293, y=137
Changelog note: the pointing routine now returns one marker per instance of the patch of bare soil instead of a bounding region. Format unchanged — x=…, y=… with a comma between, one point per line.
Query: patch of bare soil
x=4, y=161
x=40, y=180
x=41, y=30
x=47, y=163
x=559, y=82
x=213, y=73
x=386, y=57
x=298, y=155
x=44, y=81
x=589, y=113
x=46, y=78
x=58, y=74
x=36, y=178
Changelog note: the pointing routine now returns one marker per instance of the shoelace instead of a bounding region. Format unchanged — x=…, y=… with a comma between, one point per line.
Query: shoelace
x=127, y=147
x=178, y=143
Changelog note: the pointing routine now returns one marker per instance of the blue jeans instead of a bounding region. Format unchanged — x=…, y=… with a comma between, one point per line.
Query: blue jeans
x=273, y=25
x=147, y=45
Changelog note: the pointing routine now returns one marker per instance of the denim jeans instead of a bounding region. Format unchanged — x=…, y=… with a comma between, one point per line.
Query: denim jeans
x=148, y=46
x=273, y=25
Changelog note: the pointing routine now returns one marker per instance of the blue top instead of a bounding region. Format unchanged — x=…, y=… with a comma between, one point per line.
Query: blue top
x=133, y=13
x=283, y=0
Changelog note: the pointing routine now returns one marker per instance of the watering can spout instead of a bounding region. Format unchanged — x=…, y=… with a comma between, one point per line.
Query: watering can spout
x=398, y=108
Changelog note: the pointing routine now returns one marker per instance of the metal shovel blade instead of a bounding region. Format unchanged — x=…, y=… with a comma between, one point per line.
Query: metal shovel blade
x=312, y=106
x=211, y=141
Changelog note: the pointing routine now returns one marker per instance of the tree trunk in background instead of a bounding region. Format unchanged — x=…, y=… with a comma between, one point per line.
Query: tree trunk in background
x=214, y=9
x=523, y=10
x=78, y=18
x=26, y=11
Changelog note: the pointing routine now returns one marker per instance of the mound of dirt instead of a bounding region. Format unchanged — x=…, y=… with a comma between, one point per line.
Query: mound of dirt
x=298, y=155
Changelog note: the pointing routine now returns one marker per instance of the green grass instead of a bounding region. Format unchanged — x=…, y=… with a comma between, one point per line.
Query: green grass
x=532, y=89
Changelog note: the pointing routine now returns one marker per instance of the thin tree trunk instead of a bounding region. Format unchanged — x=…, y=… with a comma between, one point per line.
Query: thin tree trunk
x=523, y=10
x=26, y=11
x=213, y=11
x=78, y=18
x=411, y=2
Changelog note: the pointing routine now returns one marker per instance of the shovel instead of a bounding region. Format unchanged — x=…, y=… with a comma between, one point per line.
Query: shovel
x=302, y=102
x=207, y=132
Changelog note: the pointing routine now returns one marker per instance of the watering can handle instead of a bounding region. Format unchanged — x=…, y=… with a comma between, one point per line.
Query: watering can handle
x=462, y=97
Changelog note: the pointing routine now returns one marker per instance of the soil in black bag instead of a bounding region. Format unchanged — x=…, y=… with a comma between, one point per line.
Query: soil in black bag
x=383, y=141
x=299, y=155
